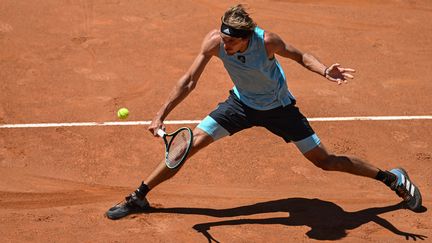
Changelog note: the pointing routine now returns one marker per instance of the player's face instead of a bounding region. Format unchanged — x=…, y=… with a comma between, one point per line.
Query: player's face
x=233, y=45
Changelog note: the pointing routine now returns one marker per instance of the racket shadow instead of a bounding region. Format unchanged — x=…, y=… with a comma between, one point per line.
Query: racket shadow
x=327, y=220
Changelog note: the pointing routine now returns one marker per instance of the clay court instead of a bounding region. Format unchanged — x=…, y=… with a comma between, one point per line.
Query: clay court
x=75, y=61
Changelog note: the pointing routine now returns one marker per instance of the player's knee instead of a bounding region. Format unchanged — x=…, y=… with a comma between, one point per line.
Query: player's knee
x=201, y=139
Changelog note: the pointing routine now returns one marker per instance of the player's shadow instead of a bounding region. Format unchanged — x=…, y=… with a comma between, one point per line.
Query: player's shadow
x=327, y=221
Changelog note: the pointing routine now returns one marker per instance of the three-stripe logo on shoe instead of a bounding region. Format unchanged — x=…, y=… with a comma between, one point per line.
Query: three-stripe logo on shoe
x=408, y=185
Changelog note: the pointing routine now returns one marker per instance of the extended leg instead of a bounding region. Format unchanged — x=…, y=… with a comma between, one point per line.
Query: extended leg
x=163, y=173
x=397, y=179
x=322, y=159
x=137, y=202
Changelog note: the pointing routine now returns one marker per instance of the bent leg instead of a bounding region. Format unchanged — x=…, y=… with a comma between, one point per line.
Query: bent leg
x=136, y=201
x=228, y=118
x=320, y=157
x=162, y=173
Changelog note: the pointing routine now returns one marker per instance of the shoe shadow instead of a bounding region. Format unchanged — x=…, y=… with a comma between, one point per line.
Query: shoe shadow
x=327, y=220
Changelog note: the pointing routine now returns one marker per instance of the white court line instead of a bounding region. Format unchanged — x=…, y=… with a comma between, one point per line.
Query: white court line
x=185, y=122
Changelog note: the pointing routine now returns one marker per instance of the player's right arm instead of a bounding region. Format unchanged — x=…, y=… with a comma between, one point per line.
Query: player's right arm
x=188, y=81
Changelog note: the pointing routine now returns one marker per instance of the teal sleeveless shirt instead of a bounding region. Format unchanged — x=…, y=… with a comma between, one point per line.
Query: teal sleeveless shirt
x=259, y=82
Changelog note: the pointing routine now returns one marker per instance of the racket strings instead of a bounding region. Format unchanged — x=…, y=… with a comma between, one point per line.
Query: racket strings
x=178, y=147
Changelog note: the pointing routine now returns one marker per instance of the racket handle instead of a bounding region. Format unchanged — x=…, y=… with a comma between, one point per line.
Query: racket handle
x=161, y=133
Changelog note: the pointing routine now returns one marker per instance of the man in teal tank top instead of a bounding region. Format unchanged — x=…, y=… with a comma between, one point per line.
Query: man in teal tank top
x=260, y=97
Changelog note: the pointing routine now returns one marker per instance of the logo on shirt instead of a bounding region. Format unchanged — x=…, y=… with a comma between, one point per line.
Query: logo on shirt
x=241, y=58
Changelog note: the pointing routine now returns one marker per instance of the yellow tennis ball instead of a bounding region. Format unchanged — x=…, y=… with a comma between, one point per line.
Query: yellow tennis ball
x=123, y=113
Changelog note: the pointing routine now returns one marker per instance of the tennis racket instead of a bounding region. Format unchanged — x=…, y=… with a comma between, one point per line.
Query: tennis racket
x=177, y=146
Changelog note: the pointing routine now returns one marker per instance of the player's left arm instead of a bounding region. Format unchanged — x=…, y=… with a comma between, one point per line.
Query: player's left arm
x=275, y=45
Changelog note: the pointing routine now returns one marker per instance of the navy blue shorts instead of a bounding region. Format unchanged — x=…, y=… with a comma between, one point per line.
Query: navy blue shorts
x=287, y=122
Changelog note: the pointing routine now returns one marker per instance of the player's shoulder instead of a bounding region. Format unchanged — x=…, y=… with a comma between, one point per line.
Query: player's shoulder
x=272, y=42
x=214, y=36
x=271, y=37
x=211, y=42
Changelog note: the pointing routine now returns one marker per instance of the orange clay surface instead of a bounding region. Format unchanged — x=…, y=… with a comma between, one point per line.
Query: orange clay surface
x=79, y=61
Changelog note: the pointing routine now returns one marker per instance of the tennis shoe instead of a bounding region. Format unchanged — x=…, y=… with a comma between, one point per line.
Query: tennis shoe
x=132, y=204
x=406, y=189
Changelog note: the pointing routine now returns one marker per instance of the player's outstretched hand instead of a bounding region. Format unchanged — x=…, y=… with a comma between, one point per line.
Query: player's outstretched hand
x=335, y=73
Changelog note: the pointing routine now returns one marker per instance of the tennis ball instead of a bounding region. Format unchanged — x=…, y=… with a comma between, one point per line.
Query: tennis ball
x=123, y=113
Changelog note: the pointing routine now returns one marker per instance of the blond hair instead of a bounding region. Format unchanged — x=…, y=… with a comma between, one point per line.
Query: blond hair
x=238, y=18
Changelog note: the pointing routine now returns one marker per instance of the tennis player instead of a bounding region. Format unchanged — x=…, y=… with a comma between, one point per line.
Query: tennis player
x=260, y=97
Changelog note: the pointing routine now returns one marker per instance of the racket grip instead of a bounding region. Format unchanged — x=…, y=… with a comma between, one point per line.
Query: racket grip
x=161, y=133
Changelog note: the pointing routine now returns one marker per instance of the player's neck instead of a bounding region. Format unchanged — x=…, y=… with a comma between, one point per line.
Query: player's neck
x=245, y=47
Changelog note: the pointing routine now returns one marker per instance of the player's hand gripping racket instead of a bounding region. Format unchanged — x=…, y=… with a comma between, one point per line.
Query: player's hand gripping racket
x=177, y=146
